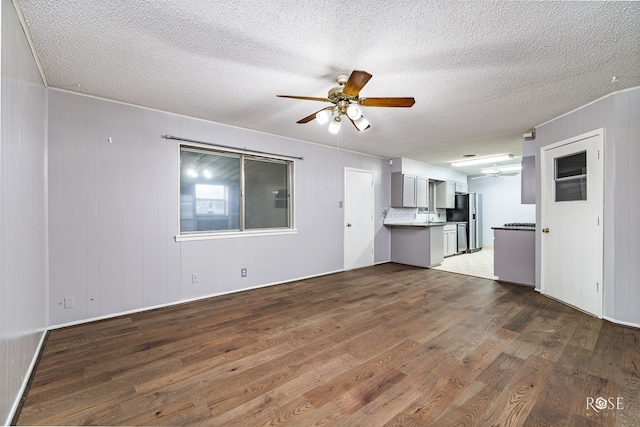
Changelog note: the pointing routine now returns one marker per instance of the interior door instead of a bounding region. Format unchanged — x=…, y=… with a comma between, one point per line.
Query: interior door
x=572, y=220
x=358, y=219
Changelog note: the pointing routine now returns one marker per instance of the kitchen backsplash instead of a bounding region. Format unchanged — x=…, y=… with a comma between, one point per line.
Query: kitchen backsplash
x=414, y=216
x=439, y=215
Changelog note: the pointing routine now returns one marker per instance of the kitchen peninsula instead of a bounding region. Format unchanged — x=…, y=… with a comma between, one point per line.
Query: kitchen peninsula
x=415, y=240
x=419, y=245
x=514, y=253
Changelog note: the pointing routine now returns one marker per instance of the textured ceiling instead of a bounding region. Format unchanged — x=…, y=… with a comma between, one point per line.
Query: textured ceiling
x=482, y=73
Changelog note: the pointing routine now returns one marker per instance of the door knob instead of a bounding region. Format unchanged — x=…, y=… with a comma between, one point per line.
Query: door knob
x=545, y=230
x=348, y=224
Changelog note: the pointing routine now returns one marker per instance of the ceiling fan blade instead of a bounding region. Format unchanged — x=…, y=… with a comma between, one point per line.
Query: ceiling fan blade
x=308, y=98
x=356, y=82
x=312, y=116
x=387, y=102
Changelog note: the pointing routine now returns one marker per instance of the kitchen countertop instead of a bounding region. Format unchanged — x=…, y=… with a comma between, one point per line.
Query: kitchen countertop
x=418, y=224
x=515, y=228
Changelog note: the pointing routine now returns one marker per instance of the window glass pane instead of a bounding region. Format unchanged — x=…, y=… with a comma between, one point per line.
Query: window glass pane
x=209, y=191
x=266, y=194
x=573, y=165
x=571, y=190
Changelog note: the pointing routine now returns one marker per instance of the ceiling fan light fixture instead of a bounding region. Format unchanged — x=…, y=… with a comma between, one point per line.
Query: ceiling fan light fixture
x=346, y=101
x=353, y=112
x=362, y=123
x=493, y=159
x=334, y=126
x=323, y=116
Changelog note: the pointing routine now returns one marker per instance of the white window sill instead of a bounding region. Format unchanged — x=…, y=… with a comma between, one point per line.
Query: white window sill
x=234, y=234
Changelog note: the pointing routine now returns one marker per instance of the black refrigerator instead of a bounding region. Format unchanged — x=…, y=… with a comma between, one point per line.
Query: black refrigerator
x=468, y=209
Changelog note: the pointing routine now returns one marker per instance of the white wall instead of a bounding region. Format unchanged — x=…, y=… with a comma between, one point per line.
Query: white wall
x=619, y=115
x=500, y=203
x=113, y=211
x=23, y=273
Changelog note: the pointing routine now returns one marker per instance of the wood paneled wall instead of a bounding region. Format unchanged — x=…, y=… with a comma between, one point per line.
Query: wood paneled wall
x=113, y=211
x=23, y=214
x=619, y=115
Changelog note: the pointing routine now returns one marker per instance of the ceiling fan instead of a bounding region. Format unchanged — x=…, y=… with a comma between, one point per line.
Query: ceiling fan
x=347, y=102
x=496, y=171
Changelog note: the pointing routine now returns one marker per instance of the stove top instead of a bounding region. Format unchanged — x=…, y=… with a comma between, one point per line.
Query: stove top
x=521, y=224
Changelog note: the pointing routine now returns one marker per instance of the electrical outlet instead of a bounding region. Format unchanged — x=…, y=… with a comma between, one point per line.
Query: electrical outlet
x=195, y=278
x=68, y=302
x=243, y=272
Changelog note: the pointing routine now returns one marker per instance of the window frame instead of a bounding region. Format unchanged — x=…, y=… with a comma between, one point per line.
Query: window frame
x=572, y=178
x=243, y=231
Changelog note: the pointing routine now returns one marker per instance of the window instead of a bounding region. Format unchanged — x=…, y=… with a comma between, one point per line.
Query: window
x=226, y=192
x=571, y=177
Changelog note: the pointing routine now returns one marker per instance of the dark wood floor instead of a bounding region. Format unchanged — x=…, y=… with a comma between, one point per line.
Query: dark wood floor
x=387, y=345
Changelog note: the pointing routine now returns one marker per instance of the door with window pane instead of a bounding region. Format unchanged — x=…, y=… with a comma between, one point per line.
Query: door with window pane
x=571, y=226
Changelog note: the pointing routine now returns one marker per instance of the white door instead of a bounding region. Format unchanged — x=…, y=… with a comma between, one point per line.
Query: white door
x=572, y=221
x=358, y=219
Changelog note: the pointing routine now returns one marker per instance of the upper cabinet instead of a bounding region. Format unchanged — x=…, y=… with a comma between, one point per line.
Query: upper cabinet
x=528, y=181
x=422, y=192
x=462, y=188
x=409, y=191
x=445, y=195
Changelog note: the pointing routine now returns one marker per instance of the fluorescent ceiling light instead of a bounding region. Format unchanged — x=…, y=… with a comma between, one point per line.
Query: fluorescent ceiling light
x=511, y=168
x=494, y=159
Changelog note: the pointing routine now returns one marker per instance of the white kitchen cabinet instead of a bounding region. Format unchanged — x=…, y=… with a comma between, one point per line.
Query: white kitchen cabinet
x=409, y=191
x=528, y=181
x=450, y=239
x=445, y=195
x=462, y=188
x=422, y=192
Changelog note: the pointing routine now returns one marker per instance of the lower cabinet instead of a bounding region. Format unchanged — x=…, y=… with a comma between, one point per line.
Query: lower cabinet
x=445, y=195
x=514, y=256
x=417, y=245
x=450, y=240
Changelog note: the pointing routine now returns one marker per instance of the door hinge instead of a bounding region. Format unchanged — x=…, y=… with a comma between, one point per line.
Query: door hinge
x=597, y=287
x=598, y=220
x=598, y=154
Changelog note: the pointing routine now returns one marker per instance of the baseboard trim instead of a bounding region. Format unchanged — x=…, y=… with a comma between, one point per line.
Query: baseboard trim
x=14, y=414
x=186, y=301
x=621, y=323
